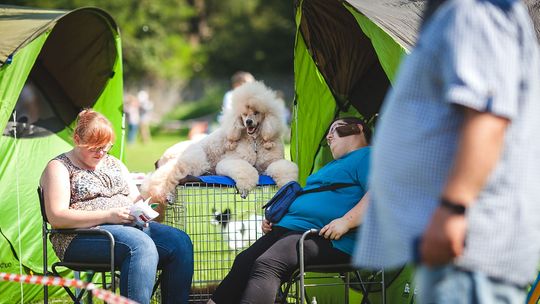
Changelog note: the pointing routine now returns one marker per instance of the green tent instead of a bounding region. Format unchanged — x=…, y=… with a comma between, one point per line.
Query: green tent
x=345, y=57
x=52, y=64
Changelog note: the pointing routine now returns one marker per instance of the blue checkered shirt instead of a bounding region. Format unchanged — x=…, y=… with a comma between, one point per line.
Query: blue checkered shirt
x=482, y=55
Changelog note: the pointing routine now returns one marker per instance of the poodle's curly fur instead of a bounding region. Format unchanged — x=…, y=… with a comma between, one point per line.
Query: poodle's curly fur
x=247, y=143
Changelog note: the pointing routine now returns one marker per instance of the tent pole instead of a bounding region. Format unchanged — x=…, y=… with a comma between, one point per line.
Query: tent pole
x=295, y=110
x=18, y=200
x=123, y=135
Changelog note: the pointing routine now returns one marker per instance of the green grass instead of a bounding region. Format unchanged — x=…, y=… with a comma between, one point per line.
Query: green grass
x=140, y=157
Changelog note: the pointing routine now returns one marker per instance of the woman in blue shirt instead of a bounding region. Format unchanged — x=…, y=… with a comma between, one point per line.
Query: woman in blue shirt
x=258, y=271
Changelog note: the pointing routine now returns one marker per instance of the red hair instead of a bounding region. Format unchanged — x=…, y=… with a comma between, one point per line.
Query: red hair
x=93, y=129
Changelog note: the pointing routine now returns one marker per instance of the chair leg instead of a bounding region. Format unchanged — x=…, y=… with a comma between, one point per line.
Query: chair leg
x=383, y=287
x=44, y=233
x=89, y=277
x=363, y=290
x=45, y=294
x=73, y=297
x=285, y=292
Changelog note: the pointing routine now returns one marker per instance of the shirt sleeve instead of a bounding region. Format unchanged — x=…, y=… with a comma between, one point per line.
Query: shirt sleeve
x=480, y=59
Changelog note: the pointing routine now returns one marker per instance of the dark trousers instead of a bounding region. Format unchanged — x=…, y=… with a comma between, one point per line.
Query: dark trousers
x=258, y=271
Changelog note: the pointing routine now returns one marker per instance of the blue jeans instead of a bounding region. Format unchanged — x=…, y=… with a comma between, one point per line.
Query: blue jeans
x=449, y=285
x=139, y=253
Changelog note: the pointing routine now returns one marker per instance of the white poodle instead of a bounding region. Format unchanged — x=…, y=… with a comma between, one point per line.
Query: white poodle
x=247, y=143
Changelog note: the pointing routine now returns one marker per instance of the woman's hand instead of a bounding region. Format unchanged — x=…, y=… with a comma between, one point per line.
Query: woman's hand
x=266, y=226
x=120, y=216
x=335, y=229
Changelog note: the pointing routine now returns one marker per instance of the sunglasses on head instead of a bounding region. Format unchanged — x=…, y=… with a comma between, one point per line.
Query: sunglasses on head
x=344, y=130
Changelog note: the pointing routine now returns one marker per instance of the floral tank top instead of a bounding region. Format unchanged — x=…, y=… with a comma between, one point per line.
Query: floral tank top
x=99, y=189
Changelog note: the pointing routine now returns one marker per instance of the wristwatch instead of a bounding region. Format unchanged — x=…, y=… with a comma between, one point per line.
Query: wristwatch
x=453, y=207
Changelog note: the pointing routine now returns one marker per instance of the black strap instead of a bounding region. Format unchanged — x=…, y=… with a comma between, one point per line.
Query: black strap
x=326, y=188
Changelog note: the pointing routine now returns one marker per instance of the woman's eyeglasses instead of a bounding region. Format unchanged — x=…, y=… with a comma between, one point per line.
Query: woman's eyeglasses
x=104, y=149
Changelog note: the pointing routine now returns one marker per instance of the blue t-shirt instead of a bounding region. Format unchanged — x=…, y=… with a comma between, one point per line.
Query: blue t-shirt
x=315, y=210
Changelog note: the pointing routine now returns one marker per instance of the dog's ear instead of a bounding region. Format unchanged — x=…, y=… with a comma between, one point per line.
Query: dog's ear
x=272, y=127
x=233, y=132
x=226, y=215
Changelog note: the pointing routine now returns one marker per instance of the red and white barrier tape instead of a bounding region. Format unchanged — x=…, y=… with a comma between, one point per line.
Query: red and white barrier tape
x=101, y=294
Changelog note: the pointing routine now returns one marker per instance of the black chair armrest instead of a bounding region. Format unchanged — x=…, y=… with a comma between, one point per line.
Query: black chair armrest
x=94, y=231
x=86, y=231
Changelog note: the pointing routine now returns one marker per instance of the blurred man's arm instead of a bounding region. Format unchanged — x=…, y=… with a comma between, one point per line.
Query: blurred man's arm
x=480, y=146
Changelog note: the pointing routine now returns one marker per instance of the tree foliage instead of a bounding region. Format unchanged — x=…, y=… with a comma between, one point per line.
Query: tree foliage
x=256, y=36
x=182, y=39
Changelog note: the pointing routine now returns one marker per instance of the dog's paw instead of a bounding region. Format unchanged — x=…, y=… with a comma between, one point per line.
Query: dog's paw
x=171, y=198
x=245, y=186
x=269, y=145
x=243, y=193
x=157, y=194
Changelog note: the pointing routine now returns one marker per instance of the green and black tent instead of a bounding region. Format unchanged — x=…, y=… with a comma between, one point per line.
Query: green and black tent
x=52, y=64
x=345, y=58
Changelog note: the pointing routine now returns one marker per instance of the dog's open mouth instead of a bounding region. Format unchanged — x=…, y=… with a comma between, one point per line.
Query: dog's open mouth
x=251, y=130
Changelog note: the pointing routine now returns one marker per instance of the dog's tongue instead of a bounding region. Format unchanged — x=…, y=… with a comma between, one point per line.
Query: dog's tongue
x=250, y=129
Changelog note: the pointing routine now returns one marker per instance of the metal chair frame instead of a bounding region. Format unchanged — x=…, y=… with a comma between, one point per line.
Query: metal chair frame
x=343, y=269
x=89, y=268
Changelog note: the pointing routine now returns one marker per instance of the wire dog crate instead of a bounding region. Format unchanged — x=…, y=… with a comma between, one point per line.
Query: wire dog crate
x=220, y=223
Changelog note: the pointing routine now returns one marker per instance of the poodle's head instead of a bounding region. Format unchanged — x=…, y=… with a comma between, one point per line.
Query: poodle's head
x=256, y=110
x=251, y=119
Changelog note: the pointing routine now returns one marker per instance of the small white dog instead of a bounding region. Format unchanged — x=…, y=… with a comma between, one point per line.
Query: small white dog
x=247, y=143
x=239, y=234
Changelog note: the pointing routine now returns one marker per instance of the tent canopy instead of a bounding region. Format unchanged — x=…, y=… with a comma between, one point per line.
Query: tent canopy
x=73, y=66
x=52, y=64
x=346, y=56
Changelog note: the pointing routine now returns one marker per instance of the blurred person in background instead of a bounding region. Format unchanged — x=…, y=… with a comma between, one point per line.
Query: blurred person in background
x=145, y=115
x=133, y=116
x=237, y=79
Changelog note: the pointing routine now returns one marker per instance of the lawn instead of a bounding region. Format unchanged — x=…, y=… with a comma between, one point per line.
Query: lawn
x=140, y=157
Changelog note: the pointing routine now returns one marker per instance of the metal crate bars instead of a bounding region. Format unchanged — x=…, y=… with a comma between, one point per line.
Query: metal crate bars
x=220, y=223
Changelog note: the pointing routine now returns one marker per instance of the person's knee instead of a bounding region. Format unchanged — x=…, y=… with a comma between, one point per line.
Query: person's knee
x=145, y=249
x=243, y=258
x=182, y=244
x=266, y=264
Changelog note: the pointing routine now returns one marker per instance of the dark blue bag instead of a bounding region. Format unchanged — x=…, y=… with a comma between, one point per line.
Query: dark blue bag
x=279, y=204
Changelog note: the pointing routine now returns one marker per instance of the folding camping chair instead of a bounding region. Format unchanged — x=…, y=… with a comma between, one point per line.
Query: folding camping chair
x=89, y=268
x=298, y=277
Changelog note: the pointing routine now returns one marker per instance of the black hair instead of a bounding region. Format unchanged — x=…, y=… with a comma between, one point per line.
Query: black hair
x=355, y=120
